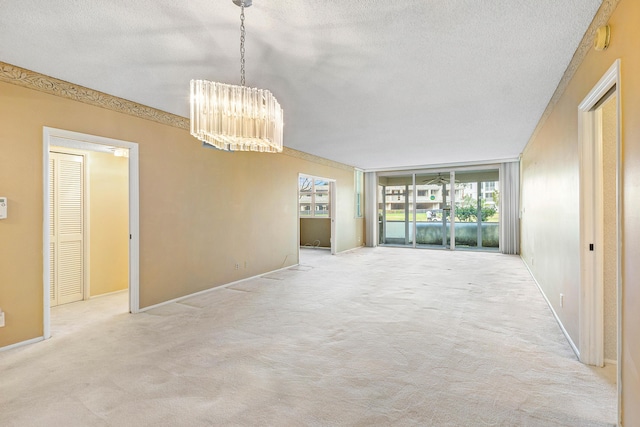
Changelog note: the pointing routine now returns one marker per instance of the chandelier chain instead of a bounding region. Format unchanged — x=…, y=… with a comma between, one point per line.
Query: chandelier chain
x=242, y=34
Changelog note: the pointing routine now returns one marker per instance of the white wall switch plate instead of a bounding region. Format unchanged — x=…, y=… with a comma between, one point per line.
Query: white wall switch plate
x=3, y=207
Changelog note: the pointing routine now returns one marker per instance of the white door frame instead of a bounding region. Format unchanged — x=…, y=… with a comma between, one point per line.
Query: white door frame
x=591, y=220
x=333, y=210
x=75, y=140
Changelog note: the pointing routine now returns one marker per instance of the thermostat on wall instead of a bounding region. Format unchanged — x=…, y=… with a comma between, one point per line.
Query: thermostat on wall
x=3, y=207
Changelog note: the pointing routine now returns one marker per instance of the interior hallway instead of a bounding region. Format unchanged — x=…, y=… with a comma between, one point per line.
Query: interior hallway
x=377, y=336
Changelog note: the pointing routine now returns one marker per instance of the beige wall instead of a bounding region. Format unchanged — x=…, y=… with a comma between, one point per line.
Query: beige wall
x=360, y=231
x=109, y=222
x=315, y=229
x=550, y=214
x=550, y=222
x=201, y=210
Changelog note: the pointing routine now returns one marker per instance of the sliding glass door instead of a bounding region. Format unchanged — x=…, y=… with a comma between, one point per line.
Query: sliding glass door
x=433, y=207
x=476, y=210
x=429, y=209
x=395, y=210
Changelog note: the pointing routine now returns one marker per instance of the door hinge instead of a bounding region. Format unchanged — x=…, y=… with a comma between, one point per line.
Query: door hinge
x=591, y=246
x=130, y=237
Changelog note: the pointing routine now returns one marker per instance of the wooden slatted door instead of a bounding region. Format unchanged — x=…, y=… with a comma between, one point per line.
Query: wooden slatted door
x=66, y=232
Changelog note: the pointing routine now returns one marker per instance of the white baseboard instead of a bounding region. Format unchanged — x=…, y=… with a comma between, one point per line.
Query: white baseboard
x=610, y=362
x=205, y=291
x=21, y=343
x=564, y=331
x=346, y=251
x=328, y=249
x=315, y=247
x=110, y=293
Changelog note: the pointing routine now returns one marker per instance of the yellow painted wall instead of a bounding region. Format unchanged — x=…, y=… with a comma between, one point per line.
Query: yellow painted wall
x=550, y=222
x=360, y=232
x=201, y=210
x=109, y=222
x=313, y=230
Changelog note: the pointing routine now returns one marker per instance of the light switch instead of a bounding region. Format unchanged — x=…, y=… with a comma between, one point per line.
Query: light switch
x=3, y=207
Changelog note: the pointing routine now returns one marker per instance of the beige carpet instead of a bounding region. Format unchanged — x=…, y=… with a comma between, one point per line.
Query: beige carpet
x=375, y=337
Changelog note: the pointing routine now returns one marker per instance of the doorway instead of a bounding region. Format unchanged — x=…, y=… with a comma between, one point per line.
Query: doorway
x=600, y=178
x=57, y=142
x=317, y=213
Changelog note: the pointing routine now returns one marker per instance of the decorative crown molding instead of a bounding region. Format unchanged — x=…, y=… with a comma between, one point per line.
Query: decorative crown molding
x=42, y=83
x=315, y=159
x=32, y=80
x=602, y=17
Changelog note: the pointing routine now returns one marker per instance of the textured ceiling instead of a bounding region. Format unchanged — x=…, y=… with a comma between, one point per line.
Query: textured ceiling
x=370, y=83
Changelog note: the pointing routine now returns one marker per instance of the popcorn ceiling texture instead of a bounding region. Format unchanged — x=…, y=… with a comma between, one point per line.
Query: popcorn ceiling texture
x=373, y=337
x=371, y=84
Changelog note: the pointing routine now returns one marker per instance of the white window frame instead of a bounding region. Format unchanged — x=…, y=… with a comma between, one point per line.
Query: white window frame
x=313, y=194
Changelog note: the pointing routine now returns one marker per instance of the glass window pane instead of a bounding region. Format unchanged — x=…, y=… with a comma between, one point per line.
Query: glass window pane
x=321, y=185
x=306, y=199
x=314, y=197
x=359, y=191
x=322, y=198
x=305, y=183
x=305, y=209
x=322, y=210
x=489, y=200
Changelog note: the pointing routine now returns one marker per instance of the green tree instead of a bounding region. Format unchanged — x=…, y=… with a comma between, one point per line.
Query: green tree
x=487, y=211
x=467, y=211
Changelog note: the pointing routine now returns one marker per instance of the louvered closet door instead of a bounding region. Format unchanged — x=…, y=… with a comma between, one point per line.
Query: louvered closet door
x=67, y=226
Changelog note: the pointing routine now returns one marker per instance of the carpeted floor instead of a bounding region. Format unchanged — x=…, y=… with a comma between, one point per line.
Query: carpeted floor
x=374, y=337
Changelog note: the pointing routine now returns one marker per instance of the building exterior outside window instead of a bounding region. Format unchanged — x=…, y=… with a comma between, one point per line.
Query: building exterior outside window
x=314, y=197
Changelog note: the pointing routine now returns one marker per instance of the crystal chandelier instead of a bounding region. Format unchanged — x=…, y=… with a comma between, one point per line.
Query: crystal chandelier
x=236, y=118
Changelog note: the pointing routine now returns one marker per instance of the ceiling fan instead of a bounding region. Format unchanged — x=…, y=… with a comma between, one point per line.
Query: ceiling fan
x=440, y=180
